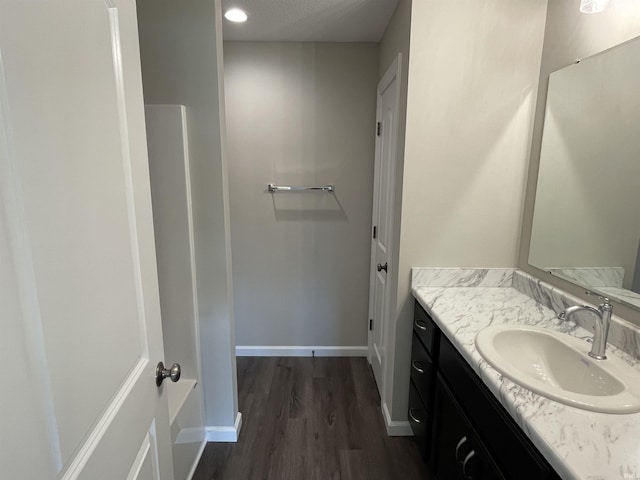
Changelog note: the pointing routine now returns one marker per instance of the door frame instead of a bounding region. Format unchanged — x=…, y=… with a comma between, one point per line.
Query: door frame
x=394, y=72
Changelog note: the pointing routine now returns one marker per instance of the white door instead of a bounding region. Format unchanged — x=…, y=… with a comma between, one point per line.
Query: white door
x=383, y=196
x=79, y=308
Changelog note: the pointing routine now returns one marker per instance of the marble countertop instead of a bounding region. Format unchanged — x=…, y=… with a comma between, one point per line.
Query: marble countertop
x=578, y=444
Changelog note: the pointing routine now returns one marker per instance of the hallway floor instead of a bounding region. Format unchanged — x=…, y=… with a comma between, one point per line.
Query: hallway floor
x=310, y=419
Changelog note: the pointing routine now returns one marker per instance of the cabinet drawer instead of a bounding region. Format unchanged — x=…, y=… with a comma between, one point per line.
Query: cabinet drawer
x=420, y=421
x=422, y=371
x=516, y=456
x=425, y=329
x=460, y=455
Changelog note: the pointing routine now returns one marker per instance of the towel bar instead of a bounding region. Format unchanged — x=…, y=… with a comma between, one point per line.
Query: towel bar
x=283, y=188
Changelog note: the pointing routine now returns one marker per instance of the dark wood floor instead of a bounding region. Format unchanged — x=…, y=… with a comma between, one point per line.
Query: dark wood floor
x=310, y=418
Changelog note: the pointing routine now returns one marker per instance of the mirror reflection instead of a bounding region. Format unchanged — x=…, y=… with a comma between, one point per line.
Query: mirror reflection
x=586, y=226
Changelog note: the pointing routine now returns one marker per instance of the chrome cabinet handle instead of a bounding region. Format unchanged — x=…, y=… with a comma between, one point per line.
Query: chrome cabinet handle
x=161, y=373
x=412, y=416
x=469, y=456
x=420, y=325
x=383, y=267
x=462, y=441
x=415, y=366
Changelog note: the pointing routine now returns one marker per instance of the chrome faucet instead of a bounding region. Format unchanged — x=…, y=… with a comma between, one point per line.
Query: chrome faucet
x=603, y=318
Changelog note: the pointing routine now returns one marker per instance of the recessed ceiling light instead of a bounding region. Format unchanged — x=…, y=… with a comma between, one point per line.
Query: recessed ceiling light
x=235, y=15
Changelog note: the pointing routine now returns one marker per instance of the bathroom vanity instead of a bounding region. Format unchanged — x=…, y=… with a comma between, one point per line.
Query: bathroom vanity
x=472, y=422
x=473, y=436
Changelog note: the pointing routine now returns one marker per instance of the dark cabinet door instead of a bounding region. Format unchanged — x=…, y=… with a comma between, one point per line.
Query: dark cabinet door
x=420, y=421
x=460, y=455
x=425, y=329
x=422, y=373
x=514, y=453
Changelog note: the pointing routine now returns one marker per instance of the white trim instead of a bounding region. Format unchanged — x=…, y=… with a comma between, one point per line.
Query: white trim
x=300, y=351
x=89, y=446
x=197, y=460
x=130, y=194
x=224, y=434
x=395, y=428
x=189, y=435
x=141, y=457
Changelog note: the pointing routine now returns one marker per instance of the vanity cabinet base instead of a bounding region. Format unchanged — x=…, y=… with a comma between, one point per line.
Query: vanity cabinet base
x=460, y=454
x=471, y=436
x=424, y=355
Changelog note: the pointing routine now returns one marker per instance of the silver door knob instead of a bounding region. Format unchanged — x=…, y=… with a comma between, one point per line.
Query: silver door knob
x=161, y=373
x=382, y=267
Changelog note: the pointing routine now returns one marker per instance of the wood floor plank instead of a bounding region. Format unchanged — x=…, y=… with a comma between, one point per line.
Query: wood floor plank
x=213, y=462
x=301, y=389
x=310, y=419
x=365, y=388
x=353, y=465
x=326, y=463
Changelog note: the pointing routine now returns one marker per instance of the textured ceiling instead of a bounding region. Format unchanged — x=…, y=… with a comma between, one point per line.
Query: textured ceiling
x=310, y=20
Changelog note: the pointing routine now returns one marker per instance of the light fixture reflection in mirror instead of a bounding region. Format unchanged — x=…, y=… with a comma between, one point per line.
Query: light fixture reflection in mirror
x=593, y=6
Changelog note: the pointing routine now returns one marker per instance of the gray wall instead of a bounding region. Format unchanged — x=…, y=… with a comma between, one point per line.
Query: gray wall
x=396, y=40
x=301, y=114
x=181, y=50
x=571, y=35
x=473, y=74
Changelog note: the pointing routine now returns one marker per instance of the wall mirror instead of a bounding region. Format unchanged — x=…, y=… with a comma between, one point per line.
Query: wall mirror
x=586, y=224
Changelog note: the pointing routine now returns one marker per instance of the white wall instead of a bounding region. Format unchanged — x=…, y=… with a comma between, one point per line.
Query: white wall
x=571, y=35
x=301, y=114
x=181, y=50
x=473, y=74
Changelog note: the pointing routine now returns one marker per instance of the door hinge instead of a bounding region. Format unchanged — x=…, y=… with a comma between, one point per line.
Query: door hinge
x=371, y=324
x=378, y=129
x=375, y=232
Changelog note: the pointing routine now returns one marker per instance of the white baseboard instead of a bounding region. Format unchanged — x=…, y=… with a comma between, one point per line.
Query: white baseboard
x=224, y=434
x=300, y=351
x=395, y=428
x=197, y=460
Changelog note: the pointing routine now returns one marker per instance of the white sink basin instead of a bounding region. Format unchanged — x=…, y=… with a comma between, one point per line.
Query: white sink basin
x=557, y=366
